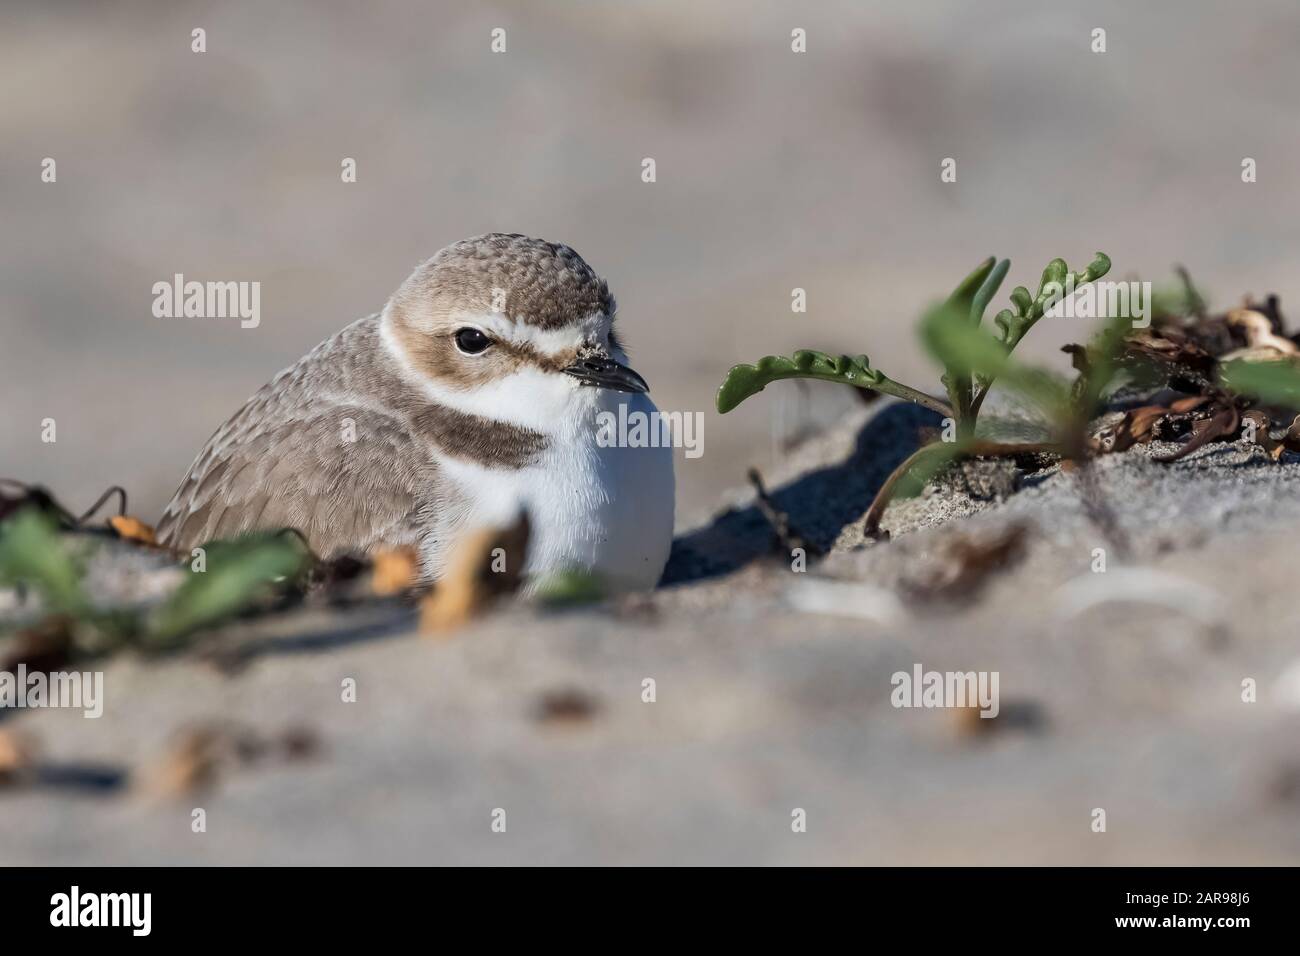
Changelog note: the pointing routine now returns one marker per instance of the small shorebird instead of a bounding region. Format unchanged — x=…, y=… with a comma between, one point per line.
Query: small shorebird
x=473, y=394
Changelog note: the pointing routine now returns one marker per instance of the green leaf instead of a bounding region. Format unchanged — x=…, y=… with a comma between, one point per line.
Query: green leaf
x=1004, y=320
x=1013, y=326
x=973, y=353
x=1021, y=299
x=1277, y=383
x=987, y=291
x=964, y=295
x=570, y=588
x=1055, y=272
x=1099, y=266
x=972, y=304
x=33, y=553
x=237, y=574
x=746, y=380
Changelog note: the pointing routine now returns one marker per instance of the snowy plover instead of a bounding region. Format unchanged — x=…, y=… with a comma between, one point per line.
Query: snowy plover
x=472, y=394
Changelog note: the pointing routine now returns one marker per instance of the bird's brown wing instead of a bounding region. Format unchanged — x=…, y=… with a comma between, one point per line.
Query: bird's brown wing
x=348, y=478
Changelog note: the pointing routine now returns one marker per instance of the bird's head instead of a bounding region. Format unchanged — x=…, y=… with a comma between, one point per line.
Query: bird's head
x=510, y=328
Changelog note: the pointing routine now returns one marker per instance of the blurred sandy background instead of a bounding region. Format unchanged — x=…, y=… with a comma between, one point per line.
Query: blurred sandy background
x=775, y=170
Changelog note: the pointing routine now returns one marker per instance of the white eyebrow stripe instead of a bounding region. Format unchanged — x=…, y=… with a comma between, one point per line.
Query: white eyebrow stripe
x=549, y=342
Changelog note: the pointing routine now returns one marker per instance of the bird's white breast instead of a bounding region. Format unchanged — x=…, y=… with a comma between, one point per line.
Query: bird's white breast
x=593, y=505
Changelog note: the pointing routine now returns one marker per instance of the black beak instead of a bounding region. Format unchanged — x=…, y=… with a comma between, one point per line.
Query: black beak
x=606, y=373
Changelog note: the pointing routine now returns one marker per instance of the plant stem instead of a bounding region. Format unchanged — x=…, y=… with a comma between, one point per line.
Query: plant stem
x=973, y=449
x=889, y=387
x=871, y=526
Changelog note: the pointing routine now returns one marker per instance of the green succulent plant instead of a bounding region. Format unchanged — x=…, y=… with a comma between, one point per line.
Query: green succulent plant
x=1275, y=383
x=746, y=380
x=238, y=575
x=966, y=385
x=974, y=358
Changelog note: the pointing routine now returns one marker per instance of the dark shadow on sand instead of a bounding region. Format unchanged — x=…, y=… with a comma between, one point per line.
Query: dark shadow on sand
x=820, y=503
x=356, y=626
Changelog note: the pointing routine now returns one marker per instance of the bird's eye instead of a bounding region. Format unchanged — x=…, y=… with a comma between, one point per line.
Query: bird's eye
x=471, y=341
